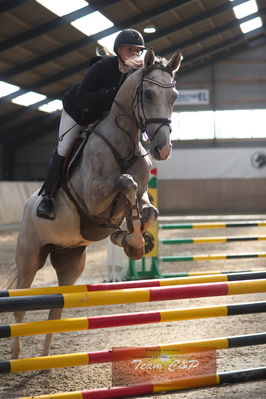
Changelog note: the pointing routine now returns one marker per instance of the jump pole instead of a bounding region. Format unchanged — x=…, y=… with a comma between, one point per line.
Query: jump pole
x=210, y=257
x=132, y=295
x=212, y=278
x=151, y=242
x=210, y=240
x=214, y=225
x=208, y=272
x=86, y=358
x=229, y=377
x=128, y=319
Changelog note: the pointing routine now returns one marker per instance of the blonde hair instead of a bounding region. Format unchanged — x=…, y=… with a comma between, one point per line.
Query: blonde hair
x=101, y=50
x=134, y=62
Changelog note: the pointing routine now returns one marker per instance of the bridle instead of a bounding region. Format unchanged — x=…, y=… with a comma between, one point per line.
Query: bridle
x=143, y=121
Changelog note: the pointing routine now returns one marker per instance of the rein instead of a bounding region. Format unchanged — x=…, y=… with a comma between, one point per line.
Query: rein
x=126, y=163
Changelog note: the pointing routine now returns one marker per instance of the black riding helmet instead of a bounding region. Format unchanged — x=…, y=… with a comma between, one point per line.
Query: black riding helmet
x=129, y=37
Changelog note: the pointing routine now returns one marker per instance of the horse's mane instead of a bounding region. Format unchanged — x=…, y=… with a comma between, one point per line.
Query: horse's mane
x=161, y=60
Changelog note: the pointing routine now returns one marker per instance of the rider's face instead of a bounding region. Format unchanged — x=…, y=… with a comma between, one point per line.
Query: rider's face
x=127, y=52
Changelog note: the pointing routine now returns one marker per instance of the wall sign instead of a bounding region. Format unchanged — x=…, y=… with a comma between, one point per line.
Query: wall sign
x=193, y=97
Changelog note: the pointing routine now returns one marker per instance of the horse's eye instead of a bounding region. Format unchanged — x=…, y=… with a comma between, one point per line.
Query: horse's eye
x=148, y=94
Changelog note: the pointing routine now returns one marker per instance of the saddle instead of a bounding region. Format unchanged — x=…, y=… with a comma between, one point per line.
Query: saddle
x=92, y=228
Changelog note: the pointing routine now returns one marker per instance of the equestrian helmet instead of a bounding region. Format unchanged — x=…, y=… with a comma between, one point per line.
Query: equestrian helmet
x=129, y=37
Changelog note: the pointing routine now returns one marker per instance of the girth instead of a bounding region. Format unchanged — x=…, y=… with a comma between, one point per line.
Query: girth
x=92, y=228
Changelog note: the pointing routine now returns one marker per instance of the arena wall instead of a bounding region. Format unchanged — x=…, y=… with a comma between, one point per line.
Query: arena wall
x=211, y=180
x=13, y=196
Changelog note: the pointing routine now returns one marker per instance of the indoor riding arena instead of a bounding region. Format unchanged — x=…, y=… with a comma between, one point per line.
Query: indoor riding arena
x=166, y=307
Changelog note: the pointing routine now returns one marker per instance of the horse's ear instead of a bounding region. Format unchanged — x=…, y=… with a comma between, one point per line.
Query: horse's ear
x=149, y=58
x=175, y=61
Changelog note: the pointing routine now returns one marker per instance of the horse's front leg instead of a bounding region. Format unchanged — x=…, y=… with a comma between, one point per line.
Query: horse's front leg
x=149, y=213
x=132, y=241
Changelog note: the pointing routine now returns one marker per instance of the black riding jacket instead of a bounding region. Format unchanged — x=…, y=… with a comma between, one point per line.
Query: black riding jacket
x=90, y=99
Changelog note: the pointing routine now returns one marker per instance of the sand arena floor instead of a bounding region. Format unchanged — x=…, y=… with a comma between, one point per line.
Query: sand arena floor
x=95, y=376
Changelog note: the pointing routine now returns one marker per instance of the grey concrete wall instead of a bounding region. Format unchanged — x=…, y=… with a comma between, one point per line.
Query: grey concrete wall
x=174, y=197
x=212, y=196
x=210, y=180
x=13, y=196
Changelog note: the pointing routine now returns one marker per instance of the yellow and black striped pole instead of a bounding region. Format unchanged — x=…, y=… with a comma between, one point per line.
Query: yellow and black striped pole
x=191, y=279
x=214, y=225
x=210, y=257
x=128, y=319
x=82, y=359
x=211, y=240
x=134, y=295
x=229, y=377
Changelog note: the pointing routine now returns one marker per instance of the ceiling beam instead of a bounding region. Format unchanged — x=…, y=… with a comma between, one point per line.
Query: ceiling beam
x=7, y=5
x=232, y=42
x=44, y=28
x=210, y=33
x=190, y=21
x=30, y=130
x=91, y=39
x=26, y=137
x=195, y=57
x=252, y=42
x=235, y=23
x=19, y=113
x=12, y=116
x=46, y=81
x=27, y=127
x=53, y=24
x=83, y=65
x=201, y=56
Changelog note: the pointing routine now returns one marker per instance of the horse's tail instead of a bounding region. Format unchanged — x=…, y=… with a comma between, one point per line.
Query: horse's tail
x=8, y=282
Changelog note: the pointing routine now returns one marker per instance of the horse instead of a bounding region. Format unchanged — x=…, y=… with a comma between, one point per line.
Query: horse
x=107, y=186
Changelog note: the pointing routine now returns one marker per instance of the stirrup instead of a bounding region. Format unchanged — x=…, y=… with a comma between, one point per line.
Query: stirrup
x=46, y=208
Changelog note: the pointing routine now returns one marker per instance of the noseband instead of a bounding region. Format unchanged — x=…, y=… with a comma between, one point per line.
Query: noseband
x=142, y=124
x=126, y=163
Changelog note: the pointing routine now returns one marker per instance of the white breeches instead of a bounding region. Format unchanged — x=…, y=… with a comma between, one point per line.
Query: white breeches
x=67, y=124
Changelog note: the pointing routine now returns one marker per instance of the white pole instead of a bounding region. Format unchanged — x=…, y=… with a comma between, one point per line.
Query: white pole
x=115, y=267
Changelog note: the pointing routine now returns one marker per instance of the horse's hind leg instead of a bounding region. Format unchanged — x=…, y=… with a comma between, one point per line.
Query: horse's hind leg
x=132, y=241
x=68, y=266
x=29, y=259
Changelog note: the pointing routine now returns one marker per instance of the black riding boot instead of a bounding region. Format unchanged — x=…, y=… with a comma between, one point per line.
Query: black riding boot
x=46, y=208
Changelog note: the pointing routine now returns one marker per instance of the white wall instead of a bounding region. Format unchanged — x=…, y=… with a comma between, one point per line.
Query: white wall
x=211, y=163
x=211, y=180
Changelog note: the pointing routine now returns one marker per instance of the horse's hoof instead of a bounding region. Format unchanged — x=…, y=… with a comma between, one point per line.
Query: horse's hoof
x=133, y=253
x=117, y=237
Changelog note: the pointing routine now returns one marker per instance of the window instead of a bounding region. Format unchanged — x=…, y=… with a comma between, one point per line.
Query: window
x=219, y=124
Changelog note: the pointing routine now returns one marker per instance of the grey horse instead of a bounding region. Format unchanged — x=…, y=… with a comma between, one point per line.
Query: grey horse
x=107, y=186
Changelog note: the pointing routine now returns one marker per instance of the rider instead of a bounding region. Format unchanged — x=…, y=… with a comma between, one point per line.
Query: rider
x=86, y=102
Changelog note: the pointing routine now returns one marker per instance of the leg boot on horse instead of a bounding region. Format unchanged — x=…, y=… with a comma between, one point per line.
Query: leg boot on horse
x=46, y=208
